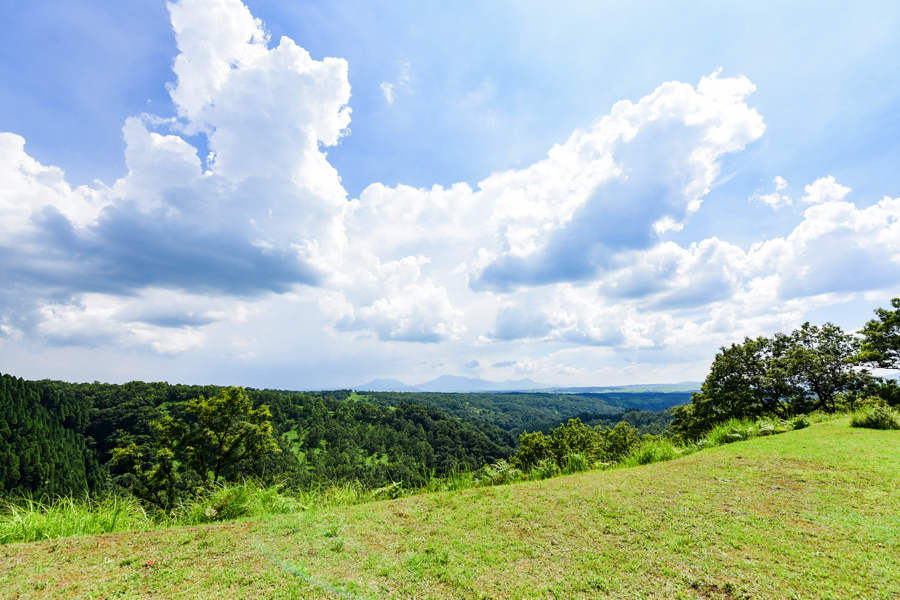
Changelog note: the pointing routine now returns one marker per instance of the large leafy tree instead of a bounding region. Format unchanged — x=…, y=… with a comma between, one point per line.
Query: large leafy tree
x=822, y=364
x=880, y=345
x=224, y=431
x=810, y=369
x=227, y=430
x=745, y=380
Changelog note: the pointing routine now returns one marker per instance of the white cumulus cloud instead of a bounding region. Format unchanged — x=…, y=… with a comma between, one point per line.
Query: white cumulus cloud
x=825, y=190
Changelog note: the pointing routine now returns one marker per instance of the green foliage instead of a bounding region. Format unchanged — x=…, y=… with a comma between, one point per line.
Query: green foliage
x=821, y=365
x=880, y=346
x=354, y=441
x=499, y=473
x=737, y=430
x=540, y=411
x=43, y=448
x=575, y=442
x=156, y=486
x=645, y=421
x=889, y=392
x=876, y=417
x=30, y=520
x=732, y=430
x=227, y=500
x=617, y=442
x=653, y=450
x=224, y=431
x=813, y=368
x=324, y=439
x=799, y=422
x=227, y=430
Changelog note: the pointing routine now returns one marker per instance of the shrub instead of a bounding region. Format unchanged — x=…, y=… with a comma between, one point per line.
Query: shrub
x=576, y=463
x=772, y=426
x=544, y=469
x=499, y=473
x=800, y=422
x=877, y=417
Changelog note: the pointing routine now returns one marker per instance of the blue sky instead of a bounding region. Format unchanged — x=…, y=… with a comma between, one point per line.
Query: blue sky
x=313, y=249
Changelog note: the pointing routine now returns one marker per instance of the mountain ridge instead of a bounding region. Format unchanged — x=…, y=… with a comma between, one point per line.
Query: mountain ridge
x=460, y=383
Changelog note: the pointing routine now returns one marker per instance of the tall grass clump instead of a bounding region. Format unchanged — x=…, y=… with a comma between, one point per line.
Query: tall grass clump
x=876, y=417
x=30, y=520
x=732, y=430
x=226, y=501
x=576, y=462
x=460, y=478
x=653, y=451
x=499, y=473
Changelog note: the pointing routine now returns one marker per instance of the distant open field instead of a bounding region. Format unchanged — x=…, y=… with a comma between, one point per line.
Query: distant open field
x=807, y=514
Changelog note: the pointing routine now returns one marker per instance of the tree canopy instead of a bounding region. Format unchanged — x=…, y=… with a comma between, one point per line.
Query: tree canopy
x=880, y=346
x=224, y=431
x=812, y=368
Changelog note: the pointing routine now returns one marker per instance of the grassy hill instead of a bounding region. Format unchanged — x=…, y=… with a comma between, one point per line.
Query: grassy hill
x=808, y=514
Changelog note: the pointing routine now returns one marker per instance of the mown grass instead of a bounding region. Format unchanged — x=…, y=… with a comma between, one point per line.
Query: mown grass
x=809, y=514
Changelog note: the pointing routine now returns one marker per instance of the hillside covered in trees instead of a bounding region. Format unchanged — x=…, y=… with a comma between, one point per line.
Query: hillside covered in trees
x=518, y=411
x=57, y=438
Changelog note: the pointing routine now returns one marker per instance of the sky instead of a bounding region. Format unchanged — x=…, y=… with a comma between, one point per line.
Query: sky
x=311, y=195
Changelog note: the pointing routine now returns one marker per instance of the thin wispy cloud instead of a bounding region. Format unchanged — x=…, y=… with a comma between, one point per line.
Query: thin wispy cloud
x=388, y=91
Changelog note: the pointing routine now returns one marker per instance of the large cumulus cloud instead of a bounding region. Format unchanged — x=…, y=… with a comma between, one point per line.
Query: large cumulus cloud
x=261, y=212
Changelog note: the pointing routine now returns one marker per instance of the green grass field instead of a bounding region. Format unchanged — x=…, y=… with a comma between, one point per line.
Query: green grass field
x=807, y=514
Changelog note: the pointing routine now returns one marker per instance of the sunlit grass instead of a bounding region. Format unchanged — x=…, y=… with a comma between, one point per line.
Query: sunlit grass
x=30, y=520
x=44, y=519
x=808, y=514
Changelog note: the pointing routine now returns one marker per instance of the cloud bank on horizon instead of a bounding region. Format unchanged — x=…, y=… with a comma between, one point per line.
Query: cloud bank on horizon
x=251, y=251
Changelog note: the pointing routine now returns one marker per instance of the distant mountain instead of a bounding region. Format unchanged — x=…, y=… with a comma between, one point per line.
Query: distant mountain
x=387, y=385
x=457, y=383
x=453, y=383
x=660, y=388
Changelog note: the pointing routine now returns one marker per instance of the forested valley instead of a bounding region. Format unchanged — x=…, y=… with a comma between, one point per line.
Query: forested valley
x=167, y=443
x=517, y=412
x=58, y=438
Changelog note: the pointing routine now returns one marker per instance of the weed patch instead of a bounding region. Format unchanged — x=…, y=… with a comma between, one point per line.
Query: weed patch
x=876, y=417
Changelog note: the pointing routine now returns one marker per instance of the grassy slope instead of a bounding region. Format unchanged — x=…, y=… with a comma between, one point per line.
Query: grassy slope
x=812, y=514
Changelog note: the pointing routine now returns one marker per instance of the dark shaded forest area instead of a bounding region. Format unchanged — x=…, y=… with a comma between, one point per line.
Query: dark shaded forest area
x=57, y=438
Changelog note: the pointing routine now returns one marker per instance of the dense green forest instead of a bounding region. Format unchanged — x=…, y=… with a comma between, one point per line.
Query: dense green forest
x=645, y=421
x=43, y=447
x=58, y=437
x=517, y=412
